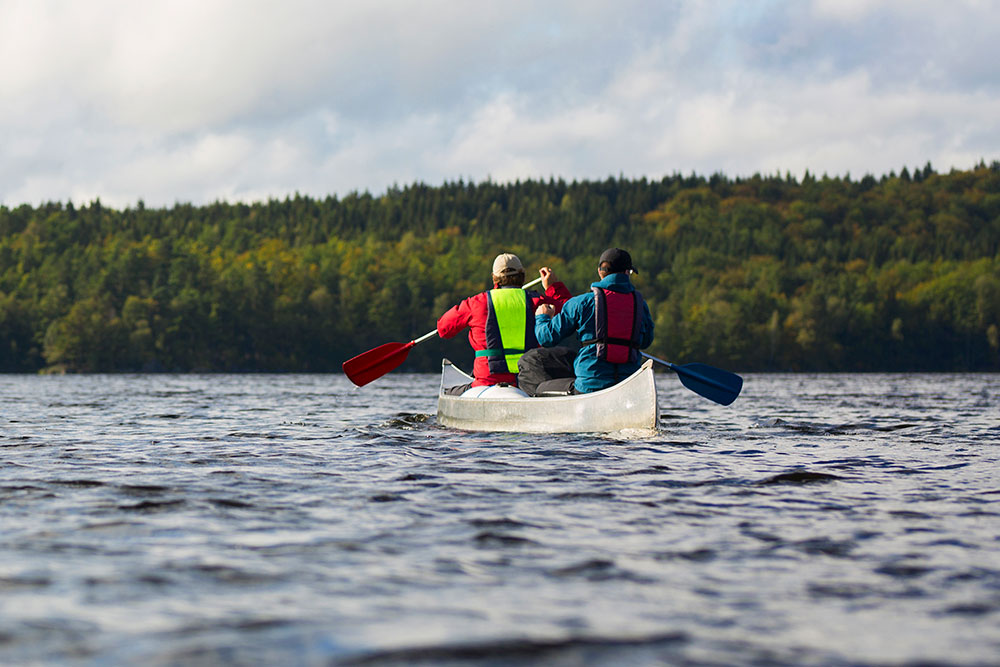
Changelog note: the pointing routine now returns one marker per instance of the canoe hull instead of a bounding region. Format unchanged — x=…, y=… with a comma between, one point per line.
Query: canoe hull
x=626, y=406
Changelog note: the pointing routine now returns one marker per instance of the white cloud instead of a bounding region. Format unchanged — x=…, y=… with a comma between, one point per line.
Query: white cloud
x=845, y=10
x=504, y=139
x=852, y=11
x=191, y=100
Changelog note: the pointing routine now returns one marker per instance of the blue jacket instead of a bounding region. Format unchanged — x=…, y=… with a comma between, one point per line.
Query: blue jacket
x=577, y=317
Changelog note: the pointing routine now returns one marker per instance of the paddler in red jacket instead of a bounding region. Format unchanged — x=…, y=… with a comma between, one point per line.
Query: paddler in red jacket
x=501, y=321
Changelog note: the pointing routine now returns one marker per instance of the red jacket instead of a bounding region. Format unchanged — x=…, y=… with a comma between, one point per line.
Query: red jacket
x=472, y=313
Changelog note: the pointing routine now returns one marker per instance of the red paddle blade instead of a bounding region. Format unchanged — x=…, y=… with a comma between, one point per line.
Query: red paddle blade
x=375, y=363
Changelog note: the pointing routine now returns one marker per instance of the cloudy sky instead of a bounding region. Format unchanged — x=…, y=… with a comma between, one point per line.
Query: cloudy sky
x=200, y=100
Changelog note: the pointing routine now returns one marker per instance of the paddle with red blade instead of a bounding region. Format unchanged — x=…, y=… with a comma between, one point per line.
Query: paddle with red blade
x=375, y=363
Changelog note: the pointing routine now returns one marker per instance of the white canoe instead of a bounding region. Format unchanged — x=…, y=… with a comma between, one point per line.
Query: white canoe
x=628, y=405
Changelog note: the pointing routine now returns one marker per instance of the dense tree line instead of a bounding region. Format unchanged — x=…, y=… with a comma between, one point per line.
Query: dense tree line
x=900, y=272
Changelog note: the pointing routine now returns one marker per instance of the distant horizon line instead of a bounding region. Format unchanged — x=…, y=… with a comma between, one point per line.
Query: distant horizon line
x=395, y=187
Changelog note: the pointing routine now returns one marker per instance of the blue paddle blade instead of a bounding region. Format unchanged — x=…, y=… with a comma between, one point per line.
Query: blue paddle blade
x=713, y=383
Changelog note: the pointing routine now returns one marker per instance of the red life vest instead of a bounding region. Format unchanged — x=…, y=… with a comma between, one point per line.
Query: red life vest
x=616, y=325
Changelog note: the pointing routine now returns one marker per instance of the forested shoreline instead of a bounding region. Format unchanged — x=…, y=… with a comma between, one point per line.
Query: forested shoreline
x=768, y=273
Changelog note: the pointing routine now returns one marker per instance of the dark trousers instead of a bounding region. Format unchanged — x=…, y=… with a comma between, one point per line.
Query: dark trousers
x=458, y=389
x=546, y=370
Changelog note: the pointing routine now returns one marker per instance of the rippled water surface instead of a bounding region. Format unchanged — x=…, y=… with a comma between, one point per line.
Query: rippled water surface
x=294, y=519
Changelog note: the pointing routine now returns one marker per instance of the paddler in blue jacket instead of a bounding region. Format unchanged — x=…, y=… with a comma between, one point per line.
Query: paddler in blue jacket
x=612, y=323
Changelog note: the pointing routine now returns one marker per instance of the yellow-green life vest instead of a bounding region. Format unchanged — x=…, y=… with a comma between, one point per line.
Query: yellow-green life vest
x=510, y=329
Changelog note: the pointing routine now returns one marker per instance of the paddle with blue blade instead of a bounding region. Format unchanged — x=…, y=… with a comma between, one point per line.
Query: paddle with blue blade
x=714, y=384
x=375, y=363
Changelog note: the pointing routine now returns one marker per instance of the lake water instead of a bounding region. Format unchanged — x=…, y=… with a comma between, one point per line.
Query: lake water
x=294, y=519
